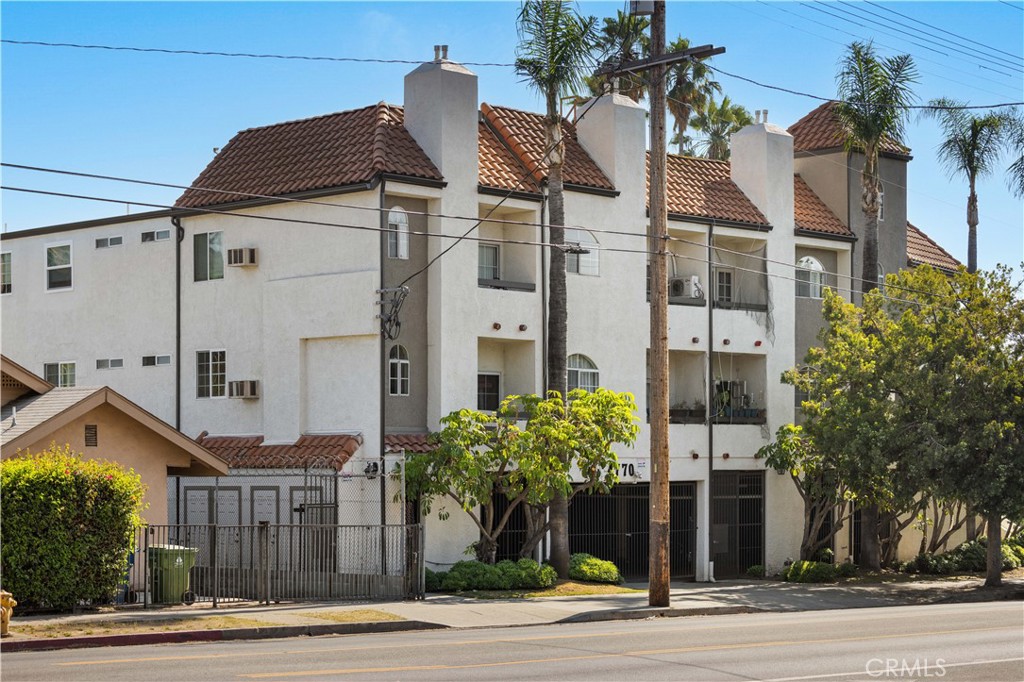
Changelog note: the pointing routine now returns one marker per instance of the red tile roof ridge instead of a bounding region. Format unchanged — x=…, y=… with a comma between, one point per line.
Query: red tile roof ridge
x=511, y=141
x=687, y=157
x=380, y=145
x=307, y=119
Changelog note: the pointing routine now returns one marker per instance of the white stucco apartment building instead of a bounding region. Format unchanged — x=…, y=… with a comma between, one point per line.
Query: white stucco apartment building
x=252, y=309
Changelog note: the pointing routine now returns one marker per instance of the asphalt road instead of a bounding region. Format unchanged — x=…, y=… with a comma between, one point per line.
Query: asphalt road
x=948, y=642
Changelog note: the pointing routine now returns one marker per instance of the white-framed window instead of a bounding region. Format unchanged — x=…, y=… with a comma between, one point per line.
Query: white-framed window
x=60, y=374
x=156, y=236
x=582, y=373
x=810, y=277
x=398, y=234
x=107, y=242
x=208, y=251
x=110, y=363
x=488, y=391
x=490, y=261
x=881, y=278
x=5, y=273
x=723, y=285
x=211, y=373
x=155, y=360
x=583, y=263
x=398, y=371
x=881, y=205
x=58, y=266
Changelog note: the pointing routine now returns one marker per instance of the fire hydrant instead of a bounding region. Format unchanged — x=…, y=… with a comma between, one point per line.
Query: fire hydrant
x=7, y=604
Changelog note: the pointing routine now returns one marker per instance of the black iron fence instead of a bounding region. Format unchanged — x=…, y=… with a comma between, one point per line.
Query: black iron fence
x=267, y=562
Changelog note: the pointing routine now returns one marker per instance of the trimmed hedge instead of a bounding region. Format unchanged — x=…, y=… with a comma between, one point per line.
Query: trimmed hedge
x=970, y=557
x=847, y=569
x=810, y=572
x=590, y=569
x=68, y=526
x=505, y=575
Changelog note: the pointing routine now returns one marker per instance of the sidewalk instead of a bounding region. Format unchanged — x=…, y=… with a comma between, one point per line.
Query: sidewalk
x=452, y=611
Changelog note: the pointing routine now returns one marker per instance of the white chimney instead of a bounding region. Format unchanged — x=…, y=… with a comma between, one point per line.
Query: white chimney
x=762, y=166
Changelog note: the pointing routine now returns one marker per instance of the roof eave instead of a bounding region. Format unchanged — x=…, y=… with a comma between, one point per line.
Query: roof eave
x=723, y=222
x=805, y=232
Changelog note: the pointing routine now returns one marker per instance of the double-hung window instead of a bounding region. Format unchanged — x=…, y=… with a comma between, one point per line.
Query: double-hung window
x=489, y=264
x=398, y=234
x=58, y=267
x=810, y=277
x=208, y=250
x=398, y=371
x=488, y=395
x=5, y=273
x=723, y=285
x=211, y=373
x=60, y=374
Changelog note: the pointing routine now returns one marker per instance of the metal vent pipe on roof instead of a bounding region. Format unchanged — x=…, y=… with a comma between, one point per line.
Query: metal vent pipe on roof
x=437, y=52
x=444, y=52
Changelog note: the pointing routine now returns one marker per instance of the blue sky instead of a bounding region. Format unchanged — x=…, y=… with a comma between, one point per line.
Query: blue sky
x=158, y=117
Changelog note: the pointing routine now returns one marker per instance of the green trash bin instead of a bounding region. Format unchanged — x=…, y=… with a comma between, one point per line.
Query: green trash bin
x=169, y=567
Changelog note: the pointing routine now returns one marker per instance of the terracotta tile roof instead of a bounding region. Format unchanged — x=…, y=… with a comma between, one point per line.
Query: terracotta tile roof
x=248, y=452
x=820, y=130
x=703, y=188
x=923, y=250
x=499, y=167
x=410, y=442
x=811, y=213
x=523, y=133
x=335, y=150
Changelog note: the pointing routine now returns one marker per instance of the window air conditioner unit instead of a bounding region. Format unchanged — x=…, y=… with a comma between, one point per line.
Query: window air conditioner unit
x=248, y=389
x=676, y=287
x=242, y=258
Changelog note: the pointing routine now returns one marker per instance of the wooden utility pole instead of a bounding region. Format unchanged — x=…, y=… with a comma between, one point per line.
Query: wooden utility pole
x=658, y=587
x=656, y=66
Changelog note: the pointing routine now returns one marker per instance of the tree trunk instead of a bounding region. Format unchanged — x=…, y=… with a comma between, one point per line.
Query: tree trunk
x=557, y=320
x=870, y=546
x=972, y=230
x=869, y=206
x=994, y=571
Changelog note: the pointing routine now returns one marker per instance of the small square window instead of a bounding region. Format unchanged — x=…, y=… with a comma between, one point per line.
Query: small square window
x=156, y=236
x=110, y=363
x=106, y=242
x=155, y=360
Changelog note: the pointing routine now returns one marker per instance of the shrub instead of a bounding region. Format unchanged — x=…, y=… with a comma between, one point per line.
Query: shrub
x=847, y=569
x=68, y=526
x=810, y=572
x=505, y=575
x=509, y=575
x=471, y=575
x=434, y=580
x=969, y=557
x=1010, y=558
x=590, y=569
x=535, y=575
x=930, y=564
x=756, y=571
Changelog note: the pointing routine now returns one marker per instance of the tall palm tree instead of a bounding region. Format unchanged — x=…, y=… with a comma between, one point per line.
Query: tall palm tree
x=555, y=49
x=718, y=122
x=874, y=95
x=689, y=88
x=1015, y=142
x=970, y=147
x=623, y=38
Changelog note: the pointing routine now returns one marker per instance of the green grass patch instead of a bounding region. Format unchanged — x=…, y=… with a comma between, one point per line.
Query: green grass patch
x=354, y=616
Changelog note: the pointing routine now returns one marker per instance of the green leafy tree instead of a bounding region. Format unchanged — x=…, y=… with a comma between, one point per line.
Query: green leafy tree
x=479, y=455
x=970, y=148
x=555, y=49
x=717, y=122
x=965, y=336
x=874, y=93
x=818, y=480
x=690, y=88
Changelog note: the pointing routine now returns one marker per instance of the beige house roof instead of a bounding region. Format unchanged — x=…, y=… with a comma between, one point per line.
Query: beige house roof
x=16, y=376
x=28, y=419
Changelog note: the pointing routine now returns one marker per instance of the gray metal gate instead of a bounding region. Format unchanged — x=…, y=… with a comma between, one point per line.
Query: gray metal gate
x=737, y=521
x=276, y=562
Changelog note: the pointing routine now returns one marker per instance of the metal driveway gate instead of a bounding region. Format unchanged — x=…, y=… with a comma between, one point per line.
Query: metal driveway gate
x=615, y=526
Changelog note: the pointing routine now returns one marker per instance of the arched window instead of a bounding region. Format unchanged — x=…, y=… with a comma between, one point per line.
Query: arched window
x=881, y=278
x=582, y=263
x=582, y=373
x=398, y=371
x=810, y=277
x=398, y=234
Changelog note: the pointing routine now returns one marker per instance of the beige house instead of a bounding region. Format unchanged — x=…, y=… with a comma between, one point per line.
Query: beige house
x=101, y=424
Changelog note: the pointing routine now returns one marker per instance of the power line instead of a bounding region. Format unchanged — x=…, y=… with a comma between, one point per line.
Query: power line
x=955, y=35
x=1010, y=4
x=247, y=55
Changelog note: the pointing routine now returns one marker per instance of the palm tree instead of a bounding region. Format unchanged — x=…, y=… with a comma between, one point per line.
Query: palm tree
x=970, y=147
x=1015, y=142
x=874, y=95
x=555, y=48
x=718, y=122
x=689, y=88
x=623, y=38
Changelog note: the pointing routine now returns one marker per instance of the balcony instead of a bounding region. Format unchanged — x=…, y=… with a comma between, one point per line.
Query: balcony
x=739, y=389
x=503, y=264
x=505, y=285
x=739, y=277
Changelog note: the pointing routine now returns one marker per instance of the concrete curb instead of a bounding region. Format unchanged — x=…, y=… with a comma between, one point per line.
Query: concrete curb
x=657, y=612
x=231, y=634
